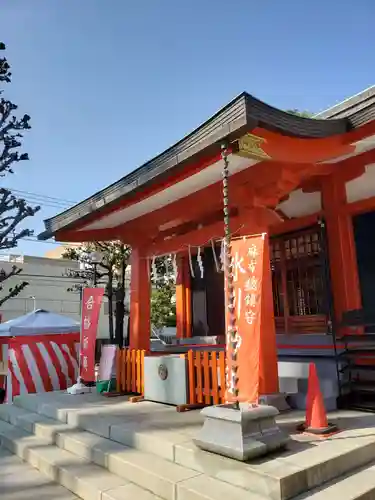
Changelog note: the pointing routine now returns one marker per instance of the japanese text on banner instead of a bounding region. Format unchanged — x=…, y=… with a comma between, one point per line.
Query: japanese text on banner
x=247, y=265
x=91, y=304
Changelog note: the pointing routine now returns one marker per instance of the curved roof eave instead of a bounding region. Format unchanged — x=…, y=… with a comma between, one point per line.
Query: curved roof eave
x=241, y=114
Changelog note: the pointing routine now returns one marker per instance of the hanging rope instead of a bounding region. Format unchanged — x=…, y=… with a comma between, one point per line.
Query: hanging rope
x=228, y=269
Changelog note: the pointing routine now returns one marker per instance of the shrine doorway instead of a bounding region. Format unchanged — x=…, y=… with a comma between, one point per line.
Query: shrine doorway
x=208, y=303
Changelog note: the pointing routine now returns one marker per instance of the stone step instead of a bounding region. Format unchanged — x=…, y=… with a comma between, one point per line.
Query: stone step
x=145, y=428
x=118, y=421
x=83, y=478
x=141, y=468
x=286, y=475
x=359, y=485
x=20, y=481
x=207, y=488
x=89, y=481
x=26, y=419
x=160, y=476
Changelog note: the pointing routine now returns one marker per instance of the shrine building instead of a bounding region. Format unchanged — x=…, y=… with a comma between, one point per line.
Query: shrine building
x=309, y=184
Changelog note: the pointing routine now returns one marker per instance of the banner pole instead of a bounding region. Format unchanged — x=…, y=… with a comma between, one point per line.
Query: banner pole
x=80, y=345
x=80, y=334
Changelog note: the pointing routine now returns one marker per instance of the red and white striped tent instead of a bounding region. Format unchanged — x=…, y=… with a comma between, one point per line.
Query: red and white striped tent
x=39, y=353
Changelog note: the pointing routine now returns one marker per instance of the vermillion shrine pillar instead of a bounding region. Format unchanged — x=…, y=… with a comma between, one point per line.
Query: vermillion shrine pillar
x=183, y=298
x=268, y=369
x=341, y=247
x=188, y=309
x=140, y=296
x=180, y=298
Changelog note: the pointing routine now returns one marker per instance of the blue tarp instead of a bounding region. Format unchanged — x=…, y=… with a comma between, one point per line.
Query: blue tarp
x=38, y=322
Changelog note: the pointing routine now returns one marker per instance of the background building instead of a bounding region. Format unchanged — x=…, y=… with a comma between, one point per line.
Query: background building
x=47, y=289
x=57, y=253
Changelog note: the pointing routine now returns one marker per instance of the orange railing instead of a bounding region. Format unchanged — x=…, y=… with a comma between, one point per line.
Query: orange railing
x=206, y=377
x=205, y=372
x=129, y=372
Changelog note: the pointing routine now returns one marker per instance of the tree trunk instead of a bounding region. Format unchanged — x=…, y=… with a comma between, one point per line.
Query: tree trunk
x=120, y=308
x=120, y=311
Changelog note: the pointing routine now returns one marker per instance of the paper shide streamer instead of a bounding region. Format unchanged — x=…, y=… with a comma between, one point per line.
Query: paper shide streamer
x=191, y=263
x=175, y=268
x=200, y=262
x=215, y=256
x=154, y=271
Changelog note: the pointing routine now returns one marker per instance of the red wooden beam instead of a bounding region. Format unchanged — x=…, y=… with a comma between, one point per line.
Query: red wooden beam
x=247, y=222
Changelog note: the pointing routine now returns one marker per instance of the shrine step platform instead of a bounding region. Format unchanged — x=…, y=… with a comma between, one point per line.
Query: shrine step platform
x=111, y=449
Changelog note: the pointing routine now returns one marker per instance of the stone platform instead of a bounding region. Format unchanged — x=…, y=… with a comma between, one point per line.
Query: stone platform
x=111, y=449
x=20, y=481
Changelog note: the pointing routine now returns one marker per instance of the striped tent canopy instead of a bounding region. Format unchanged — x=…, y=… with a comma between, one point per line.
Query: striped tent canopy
x=38, y=322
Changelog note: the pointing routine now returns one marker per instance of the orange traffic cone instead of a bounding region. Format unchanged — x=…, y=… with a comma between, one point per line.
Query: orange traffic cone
x=316, y=417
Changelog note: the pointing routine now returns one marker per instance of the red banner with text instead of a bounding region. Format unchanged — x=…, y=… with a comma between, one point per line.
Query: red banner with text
x=91, y=304
x=247, y=261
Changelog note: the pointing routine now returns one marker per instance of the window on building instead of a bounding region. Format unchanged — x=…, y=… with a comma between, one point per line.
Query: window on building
x=298, y=278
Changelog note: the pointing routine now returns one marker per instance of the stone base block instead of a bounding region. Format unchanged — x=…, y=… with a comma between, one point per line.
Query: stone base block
x=242, y=434
x=278, y=400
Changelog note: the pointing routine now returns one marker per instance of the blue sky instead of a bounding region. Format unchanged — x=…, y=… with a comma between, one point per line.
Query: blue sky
x=109, y=84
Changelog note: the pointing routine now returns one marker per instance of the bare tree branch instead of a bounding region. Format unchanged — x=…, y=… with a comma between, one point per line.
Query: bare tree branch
x=13, y=211
x=5, y=74
x=13, y=292
x=4, y=275
x=19, y=210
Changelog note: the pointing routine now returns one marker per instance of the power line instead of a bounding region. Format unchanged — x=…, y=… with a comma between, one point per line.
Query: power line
x=42, y=203
x=42, y=200
x=35, y=240
x=47, y=203
x=38, y=195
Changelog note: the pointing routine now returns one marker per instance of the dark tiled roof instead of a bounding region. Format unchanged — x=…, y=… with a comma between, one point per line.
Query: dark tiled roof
x=239, y=116
x=358, y=108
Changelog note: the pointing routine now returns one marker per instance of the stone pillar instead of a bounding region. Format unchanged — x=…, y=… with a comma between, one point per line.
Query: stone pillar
x=140, y=295
x=341, y=247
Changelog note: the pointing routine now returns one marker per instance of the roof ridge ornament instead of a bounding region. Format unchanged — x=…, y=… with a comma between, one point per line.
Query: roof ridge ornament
x=250, y=146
